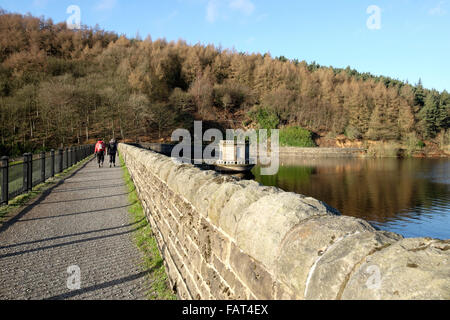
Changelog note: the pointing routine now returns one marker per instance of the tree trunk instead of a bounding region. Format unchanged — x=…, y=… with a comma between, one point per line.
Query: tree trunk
x=87, y=129
x=113, y=129
x=121, y=129
x=136, y=128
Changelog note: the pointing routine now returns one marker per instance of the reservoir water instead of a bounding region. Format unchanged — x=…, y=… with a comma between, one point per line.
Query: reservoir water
x=407, y=196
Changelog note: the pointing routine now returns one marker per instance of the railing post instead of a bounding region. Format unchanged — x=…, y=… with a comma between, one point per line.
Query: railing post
x=42, y=166
x=25, y=173
x=30, y=172
x=52, y=157
x=61, y=158
x=67, y=158
x=5, y=176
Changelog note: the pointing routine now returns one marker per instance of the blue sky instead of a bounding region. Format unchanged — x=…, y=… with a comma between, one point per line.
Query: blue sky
x=413, y=40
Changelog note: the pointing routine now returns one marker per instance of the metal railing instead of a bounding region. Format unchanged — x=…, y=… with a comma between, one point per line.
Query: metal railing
x=20, y=177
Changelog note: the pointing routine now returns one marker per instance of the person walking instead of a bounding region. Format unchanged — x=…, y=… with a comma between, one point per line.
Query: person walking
x=100, y=149
x=112, y=152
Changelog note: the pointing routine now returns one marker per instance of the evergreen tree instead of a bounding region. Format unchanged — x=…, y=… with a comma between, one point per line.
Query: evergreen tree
x=430, y=115
x=444, y=111
x=420, y=95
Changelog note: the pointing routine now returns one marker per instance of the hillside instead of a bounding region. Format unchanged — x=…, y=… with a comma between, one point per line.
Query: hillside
x=62, y=87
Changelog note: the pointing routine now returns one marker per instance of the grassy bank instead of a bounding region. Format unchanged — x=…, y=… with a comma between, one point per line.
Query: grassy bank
x=160, y=289
x=403, y=149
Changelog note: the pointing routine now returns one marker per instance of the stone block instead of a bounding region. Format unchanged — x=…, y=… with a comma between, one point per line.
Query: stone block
x=304, y=244
x=220, y=245
x=411, y=269
x=239, y=201
x=274, y=216
x=328, y=276
x=252, y=273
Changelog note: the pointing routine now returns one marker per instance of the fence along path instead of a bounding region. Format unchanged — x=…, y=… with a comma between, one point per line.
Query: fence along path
x=83, y=222
x=20, y=177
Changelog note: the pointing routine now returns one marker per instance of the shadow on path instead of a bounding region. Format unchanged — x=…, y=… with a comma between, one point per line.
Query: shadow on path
x=105, y=284
x=88, y=181
x=71, y=235
x=86, y=199
x=12, y=254
x=99, y=187
x=78, y=213
x=41, y=198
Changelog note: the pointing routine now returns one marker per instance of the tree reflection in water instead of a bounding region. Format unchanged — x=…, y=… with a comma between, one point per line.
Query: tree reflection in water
x=410, y=196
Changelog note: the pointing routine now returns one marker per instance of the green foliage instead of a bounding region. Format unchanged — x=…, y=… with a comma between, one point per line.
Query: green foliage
x=296, y=137
x=265, y=118
x=419, y=95
x=430, y=115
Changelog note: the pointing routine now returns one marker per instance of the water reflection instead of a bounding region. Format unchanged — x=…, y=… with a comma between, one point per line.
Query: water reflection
x=410, y=197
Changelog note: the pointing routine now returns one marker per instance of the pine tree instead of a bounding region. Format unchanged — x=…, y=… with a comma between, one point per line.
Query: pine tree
x=444, y=111
x=430, y=115
x=419, y=99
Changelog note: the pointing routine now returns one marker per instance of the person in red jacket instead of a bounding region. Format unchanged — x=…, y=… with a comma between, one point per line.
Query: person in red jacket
x=100, y=149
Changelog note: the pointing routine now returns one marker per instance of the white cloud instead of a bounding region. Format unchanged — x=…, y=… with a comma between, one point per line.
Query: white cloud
x=245, y=6
x=439, y=10
x=40, y=3
x=220, y=9
x=105, y=5
x=212, y=11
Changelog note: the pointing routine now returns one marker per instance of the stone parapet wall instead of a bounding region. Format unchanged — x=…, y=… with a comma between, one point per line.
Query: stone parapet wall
x=222, y=238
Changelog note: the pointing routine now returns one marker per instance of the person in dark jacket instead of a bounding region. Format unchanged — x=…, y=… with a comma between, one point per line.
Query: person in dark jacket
x=112, y=152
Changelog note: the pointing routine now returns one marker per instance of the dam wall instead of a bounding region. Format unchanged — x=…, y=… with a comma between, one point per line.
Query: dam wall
x=223, y=238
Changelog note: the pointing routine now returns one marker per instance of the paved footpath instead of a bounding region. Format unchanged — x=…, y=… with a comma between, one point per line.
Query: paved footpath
x=84, y=222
